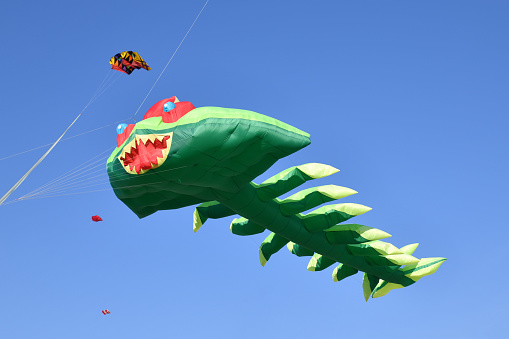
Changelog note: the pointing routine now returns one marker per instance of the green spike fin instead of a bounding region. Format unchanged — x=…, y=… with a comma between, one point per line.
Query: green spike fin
x=343, y=271
x=271, y=245
x=312, y=197
x=291, y=178
x=369, y=283
x=318, y=263
x=327, y=216
x=383, y=287
x=343, y=234
x=426, y=266
x=409, y=249
x=210, y=209
x=243, y=226
x=298, y=250
x=381, y=253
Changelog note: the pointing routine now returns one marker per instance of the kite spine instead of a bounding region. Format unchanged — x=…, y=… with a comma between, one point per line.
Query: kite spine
x=320, y=233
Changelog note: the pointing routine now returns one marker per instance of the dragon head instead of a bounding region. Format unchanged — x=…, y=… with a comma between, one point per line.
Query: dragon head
x=179, y=155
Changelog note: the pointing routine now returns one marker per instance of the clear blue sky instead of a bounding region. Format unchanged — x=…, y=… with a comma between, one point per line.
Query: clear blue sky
x=409, y=99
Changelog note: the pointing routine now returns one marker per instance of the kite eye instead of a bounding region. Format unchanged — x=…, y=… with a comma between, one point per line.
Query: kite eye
x=168, y=106
x=121, y=128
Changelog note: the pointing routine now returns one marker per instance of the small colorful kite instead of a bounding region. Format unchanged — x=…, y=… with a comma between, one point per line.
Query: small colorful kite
x=105, y=312
x=127, y=62
x=96, y=218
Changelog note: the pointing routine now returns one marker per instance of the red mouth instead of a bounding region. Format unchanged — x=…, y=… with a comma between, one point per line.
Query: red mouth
x=145, y=152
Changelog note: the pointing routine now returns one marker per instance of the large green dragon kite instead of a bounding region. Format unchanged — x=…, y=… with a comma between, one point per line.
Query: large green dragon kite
x=179, y=155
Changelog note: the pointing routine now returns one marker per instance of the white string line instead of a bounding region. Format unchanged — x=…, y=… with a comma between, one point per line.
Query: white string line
x=66, y=174
x=74, y=136
x=145, y=175
x=86, y=183
x=111, y=178
x=69, y=177
x=68, y=183
x=189, y=30
x=20, y=181
x=108, y=76
x=72, y=171
x=104, y=90
x=107, y=189
x=94, y=97
x=51, y=188
x=42, y=158
x=69, y=173
x=76, y=182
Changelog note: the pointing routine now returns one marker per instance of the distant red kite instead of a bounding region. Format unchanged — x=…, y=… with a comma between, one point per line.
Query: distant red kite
x=106, y=312
x=96, y=218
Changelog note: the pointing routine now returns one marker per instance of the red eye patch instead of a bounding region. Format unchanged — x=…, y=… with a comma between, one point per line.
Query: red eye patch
x=181, y=109
x=124, y=135
x=157, y=110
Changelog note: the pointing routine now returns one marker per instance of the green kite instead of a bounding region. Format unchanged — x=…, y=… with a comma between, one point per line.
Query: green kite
x=179, y=155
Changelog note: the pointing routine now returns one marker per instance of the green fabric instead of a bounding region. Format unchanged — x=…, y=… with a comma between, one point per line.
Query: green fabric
x=354, y=233
x=369, y=282
x=211, y=209
x=213, y=154
x=298, y=250
x=312, y=197
x=243, y=226
x=271, y=245
x=327, y=216
x=229, y=149
x=383, y=249
x=318, y=263
x=425, y=267
x=291, y=178
x=343, y=271
x=409, y=249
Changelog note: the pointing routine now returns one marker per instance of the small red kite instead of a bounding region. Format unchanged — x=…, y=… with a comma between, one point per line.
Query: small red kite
x=96, y=218
x=106, y=312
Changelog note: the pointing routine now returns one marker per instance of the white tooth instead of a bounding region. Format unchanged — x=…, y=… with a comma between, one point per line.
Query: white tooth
x=130, y=145
x=144, y=138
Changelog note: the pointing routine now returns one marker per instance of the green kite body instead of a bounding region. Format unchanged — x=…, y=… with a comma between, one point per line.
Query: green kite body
x=181, y=156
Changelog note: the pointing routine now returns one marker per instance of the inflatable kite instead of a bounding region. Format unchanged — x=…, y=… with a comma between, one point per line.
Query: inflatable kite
x=179, y=155
x=127, y=62
x=96, y=218
x=105, y=312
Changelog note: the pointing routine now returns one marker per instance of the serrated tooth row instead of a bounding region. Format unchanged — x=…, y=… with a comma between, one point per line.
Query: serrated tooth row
x=144, y=138
x=127, y=148
x=151, y=137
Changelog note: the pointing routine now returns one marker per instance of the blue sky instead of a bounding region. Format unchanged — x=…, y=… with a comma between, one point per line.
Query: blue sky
x=408, y=99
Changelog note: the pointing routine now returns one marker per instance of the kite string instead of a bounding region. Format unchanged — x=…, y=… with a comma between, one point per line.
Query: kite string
x=101, y=85
x=20, y=181
x=6, y=195
x=106, y=81
x=74, y=136
x=164, y=69
x=106, y=180
x=66, y=177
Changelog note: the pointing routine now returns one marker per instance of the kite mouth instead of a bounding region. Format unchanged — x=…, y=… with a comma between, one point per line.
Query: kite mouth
x=145, y=152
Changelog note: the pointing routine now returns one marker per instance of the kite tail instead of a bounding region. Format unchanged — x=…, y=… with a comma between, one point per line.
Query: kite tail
x=320, y=234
